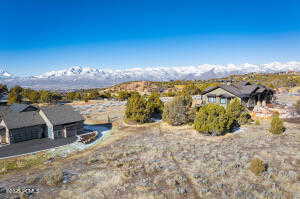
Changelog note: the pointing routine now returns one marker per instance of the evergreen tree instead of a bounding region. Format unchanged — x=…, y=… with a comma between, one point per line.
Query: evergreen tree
x=136, y=109
x=178, y=111
x=71, y=96
x=15, y=95
x=237, y=113
x=154, y=104
x=94, y=94
x=212, y=119
x=33, y=96
x=3, y=88
x=191, y=89
x=45, y=96
x=78, y=96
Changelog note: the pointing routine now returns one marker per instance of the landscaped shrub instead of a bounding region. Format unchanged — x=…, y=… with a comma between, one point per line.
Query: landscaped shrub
x=257, y=166
x=178, y=111
x=136, y=109
x=53, y=177
x=212, y=119
x=277, y=126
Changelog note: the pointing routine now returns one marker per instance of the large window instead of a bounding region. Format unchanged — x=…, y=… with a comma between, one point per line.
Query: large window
x=223, y=100
x=212, y=99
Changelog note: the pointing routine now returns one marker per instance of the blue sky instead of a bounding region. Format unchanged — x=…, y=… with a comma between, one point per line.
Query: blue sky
x=37, y=36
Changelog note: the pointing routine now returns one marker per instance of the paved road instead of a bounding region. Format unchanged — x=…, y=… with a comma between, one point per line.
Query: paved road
x=33, y=146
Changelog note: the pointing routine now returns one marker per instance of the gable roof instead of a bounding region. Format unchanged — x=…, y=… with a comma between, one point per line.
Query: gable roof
x=61, y=114
x=20, y=107
x=17, y=108
x=243, y=89
x=15, y=120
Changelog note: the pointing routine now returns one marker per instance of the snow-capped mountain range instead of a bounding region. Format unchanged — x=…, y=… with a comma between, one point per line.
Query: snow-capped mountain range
x=5, y=74
x=86, y=77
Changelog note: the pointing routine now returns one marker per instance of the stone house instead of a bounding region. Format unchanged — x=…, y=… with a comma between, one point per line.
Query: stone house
x=21, y=122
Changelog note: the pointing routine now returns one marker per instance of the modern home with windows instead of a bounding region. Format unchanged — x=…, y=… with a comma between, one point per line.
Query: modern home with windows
x=21, y=122
x=249, y=94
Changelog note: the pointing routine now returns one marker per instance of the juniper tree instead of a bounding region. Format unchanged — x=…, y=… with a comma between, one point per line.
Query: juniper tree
x=212, y=119
x=136, y=109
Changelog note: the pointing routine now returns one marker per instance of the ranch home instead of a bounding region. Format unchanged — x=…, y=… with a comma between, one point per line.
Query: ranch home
x=249, y=94
x=21, y=122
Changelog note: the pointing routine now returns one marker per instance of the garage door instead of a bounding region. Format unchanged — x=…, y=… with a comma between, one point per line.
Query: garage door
x=24, y=134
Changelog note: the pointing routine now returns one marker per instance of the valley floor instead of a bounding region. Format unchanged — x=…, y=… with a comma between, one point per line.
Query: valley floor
x=159, y=161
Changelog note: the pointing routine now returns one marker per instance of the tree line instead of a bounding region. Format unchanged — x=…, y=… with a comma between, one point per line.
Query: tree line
x=212, y=119
x=18, y=94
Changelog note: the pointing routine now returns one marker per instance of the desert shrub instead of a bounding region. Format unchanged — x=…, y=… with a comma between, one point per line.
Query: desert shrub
x=15, y=95
x=154, y=104
x=191, y=89
x=297, y=106
x=71, y=96
x=124, y=95
x=244, y=118
x=257, y=122
x=277, y=126
x=53, y=177
x=178, y=111
x=168, y=94
x=237, y=113
x=212, y=119
x=136, y=109
x=257, y=166
x=92, y=159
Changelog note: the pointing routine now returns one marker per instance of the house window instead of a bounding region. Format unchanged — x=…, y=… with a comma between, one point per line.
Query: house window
x=211, y=99
x=58, y=133
x=223, y=100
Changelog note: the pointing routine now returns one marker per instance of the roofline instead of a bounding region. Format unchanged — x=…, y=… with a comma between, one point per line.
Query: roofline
x=216, y=87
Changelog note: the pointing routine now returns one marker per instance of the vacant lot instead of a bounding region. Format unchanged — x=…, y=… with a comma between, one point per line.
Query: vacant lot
x=99, y=111
x=158, y=161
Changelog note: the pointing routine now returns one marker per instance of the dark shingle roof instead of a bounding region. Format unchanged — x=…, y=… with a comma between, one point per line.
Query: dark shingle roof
x=15, y=120
x=18, y=107
x=244, y=89
x=14, y=108
x=61, y=114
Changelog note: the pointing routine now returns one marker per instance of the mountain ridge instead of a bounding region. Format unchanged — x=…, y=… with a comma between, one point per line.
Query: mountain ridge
x=87, y=77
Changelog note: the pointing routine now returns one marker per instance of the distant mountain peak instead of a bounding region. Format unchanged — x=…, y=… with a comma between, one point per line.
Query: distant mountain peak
x=87, y=77
x=5, y=74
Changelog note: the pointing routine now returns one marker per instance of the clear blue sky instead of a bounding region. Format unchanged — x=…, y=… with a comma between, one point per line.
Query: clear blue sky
x=41, y=35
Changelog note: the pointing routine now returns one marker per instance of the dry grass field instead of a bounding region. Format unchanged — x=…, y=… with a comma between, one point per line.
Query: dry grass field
x=159, y=161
